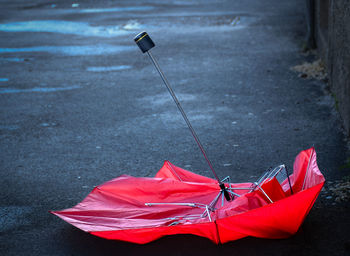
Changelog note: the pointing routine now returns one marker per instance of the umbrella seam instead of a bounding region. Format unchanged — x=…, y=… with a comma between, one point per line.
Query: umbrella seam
x=217, y=232
x=173, y=171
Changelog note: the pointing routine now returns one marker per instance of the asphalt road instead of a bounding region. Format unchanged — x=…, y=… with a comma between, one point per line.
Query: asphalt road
x=80, y=105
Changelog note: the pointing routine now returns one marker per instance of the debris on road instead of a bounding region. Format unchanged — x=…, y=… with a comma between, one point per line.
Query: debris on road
x=132, y=25
x=315, y=69
x=341, y=191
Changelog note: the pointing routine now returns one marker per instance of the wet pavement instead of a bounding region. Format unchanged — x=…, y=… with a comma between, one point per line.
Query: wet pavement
x=80, y=105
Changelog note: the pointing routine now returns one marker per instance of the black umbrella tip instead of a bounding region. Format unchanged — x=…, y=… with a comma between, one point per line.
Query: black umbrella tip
x=144, y=41
x=226, y=193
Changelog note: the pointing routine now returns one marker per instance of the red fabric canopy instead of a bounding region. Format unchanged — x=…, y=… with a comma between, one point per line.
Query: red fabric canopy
x=176, y=201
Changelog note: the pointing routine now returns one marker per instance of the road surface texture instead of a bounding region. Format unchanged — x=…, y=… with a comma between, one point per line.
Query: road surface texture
x=80, y=105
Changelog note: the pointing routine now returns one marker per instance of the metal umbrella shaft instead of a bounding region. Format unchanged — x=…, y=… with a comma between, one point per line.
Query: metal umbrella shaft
x=154, y=61
x=145, y=44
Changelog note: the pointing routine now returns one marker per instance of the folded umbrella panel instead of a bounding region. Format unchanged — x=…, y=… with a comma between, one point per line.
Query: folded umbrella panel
x=131, y=203
x=280, y=219
x=277, y=220
x=171, y=171
x=146, y=235
x=306, y=173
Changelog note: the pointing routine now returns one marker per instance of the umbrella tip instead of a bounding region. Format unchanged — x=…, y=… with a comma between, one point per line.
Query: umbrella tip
x=226, y=193
x=144, y=42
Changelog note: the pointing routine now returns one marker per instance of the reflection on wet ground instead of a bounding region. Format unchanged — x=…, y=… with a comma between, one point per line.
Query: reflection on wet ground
x=116, y=9
x=72, y=50
x=13, y=59
x=106, y=69
x=63, y=27
x=37, y=89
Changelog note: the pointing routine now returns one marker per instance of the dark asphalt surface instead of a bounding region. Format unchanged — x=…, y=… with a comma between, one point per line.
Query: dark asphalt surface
x=80, y=105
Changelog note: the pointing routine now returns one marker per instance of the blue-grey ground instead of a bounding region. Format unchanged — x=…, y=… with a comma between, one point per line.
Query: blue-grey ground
x=80, y=105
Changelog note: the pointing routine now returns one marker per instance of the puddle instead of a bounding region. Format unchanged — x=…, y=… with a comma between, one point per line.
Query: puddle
x=184, y=3
x=37, y=89
x=106, y=69
x=171, y=119
x=117, y=9
x=4, y=79
x=165, y=98
x=72, y=50
x=63, y=27
x=9, y=127
x=177, y=118
x=13, y=59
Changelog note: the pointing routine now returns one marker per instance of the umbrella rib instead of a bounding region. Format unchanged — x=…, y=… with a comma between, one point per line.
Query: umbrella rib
x=173, y=171
x=195, y=205
x=307, y=169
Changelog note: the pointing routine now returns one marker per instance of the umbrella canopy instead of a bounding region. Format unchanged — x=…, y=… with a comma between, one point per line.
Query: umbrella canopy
x=177, y=201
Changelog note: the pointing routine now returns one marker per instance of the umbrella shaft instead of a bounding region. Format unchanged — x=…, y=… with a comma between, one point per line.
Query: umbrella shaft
x=154, y=61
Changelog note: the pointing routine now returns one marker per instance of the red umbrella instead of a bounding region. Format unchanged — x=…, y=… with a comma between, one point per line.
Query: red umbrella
x=177, y=201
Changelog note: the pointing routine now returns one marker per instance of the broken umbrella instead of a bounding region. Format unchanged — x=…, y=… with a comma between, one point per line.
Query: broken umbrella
x=177, y=201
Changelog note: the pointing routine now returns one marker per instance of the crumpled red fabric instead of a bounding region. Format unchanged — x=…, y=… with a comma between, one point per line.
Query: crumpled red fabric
x=118, y=208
